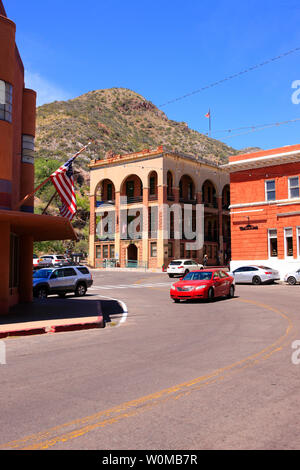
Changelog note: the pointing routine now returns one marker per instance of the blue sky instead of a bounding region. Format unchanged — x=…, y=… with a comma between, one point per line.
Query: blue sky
x=165, y=49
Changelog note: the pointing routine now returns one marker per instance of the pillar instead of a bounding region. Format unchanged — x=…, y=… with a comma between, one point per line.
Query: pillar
x=5, y=267
x=26, y=253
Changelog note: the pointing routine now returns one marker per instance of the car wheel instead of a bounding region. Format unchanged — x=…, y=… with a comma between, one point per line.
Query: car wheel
x=42, y=293
x=177, y=301
x=186, y=272
x=292, y=280
x=211, y=294
x=80, y=290
x=256, y=280
x=231, y=292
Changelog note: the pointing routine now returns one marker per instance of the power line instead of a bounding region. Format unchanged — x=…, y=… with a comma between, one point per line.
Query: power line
x=262, y=127
x=230, y=77
x=255, y=127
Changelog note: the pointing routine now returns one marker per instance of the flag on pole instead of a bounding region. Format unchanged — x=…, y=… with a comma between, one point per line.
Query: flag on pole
x=208, y=115
x=64, y=183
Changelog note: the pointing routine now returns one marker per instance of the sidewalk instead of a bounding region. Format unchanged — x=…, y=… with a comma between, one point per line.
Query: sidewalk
x=53, y=315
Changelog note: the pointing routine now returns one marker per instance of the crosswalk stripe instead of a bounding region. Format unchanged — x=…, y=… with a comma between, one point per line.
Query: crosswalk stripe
x=131, y=286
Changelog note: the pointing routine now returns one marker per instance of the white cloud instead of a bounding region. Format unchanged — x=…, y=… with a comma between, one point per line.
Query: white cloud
x=47, y=92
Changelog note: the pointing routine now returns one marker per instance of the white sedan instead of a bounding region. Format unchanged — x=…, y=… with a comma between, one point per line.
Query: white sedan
x=293, y=277
x=180, y=267
x=255, y=275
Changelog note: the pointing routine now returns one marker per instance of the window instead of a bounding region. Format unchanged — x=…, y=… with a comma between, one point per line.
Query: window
x=272, y=236
x=182, y=250
x=98, y=251
x=83, y=270
x=270, y=190
x=293, y=187
x=130, y=188
x=109, y=192
x=152, y=185
x=153, y=249
x=170, y=250
x=68, y=272
x=288, y=241
x=27, y=149
x=105, y=251
x=6, y=91
x=112, y=251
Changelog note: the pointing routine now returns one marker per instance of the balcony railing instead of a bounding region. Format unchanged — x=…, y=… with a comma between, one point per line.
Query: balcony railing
x=153, y=197
x=105, y=203
x=134, y=200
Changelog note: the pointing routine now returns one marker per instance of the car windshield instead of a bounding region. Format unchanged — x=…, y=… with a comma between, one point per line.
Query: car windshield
x=175, y=263
x=60, y=257
x=201, y=276
x=42, y=273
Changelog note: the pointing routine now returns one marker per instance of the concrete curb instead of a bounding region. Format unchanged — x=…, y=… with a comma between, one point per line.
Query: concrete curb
x=48, y=327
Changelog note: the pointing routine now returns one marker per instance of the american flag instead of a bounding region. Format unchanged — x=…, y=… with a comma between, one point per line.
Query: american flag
x=64, y=183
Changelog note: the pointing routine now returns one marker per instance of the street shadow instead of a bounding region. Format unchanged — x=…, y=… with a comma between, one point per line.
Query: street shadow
x=54, y=308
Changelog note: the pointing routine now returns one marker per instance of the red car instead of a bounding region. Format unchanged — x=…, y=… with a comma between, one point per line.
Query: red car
x=204, y=284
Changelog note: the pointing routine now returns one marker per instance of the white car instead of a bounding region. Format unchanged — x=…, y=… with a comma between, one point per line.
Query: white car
x=255, y=275
x=293, y=277
x=180, y=267
x=36, y=261
x=54, y=259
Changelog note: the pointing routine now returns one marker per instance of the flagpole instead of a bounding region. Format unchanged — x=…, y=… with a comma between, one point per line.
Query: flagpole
x=209, y=123
x=45, y=210
x=28, y=196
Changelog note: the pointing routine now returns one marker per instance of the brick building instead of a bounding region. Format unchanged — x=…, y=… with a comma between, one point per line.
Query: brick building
x=265, y=208
x=151, y=182
x=19, y=227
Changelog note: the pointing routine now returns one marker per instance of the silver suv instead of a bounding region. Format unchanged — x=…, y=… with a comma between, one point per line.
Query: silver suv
x=60, y=281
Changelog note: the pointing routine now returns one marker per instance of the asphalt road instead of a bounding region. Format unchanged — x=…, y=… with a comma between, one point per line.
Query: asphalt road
x=170, y=376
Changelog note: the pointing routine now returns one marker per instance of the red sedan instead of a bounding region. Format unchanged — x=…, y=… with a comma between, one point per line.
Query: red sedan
x=204, y=284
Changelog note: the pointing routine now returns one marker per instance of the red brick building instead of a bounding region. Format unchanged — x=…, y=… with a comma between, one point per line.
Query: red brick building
x=19, y=226
x=265, y=208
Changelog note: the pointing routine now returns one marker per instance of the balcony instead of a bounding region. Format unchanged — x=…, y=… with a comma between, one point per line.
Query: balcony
x=105, y=203
x=134, y=199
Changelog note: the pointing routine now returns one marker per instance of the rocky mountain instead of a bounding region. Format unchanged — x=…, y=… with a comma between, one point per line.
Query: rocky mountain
x=120, y=121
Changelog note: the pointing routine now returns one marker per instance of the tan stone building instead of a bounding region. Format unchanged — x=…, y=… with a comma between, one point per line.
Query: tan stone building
x=132, y=197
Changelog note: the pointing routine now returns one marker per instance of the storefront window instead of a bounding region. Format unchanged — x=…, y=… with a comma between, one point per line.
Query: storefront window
x=154, y=250
x=273, y=243
x=288, y=235
x=98, y=251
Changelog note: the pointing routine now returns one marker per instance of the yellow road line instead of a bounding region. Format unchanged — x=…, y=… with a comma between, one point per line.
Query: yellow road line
x=77, y=428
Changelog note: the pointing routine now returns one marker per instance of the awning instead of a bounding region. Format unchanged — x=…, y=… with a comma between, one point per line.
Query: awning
x=41, y=227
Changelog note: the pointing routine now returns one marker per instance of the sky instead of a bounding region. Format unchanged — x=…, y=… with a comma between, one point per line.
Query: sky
x=165, y=49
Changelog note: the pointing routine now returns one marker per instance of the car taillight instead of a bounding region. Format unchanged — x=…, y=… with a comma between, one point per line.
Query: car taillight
x=268, y=272
x=180, y=267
